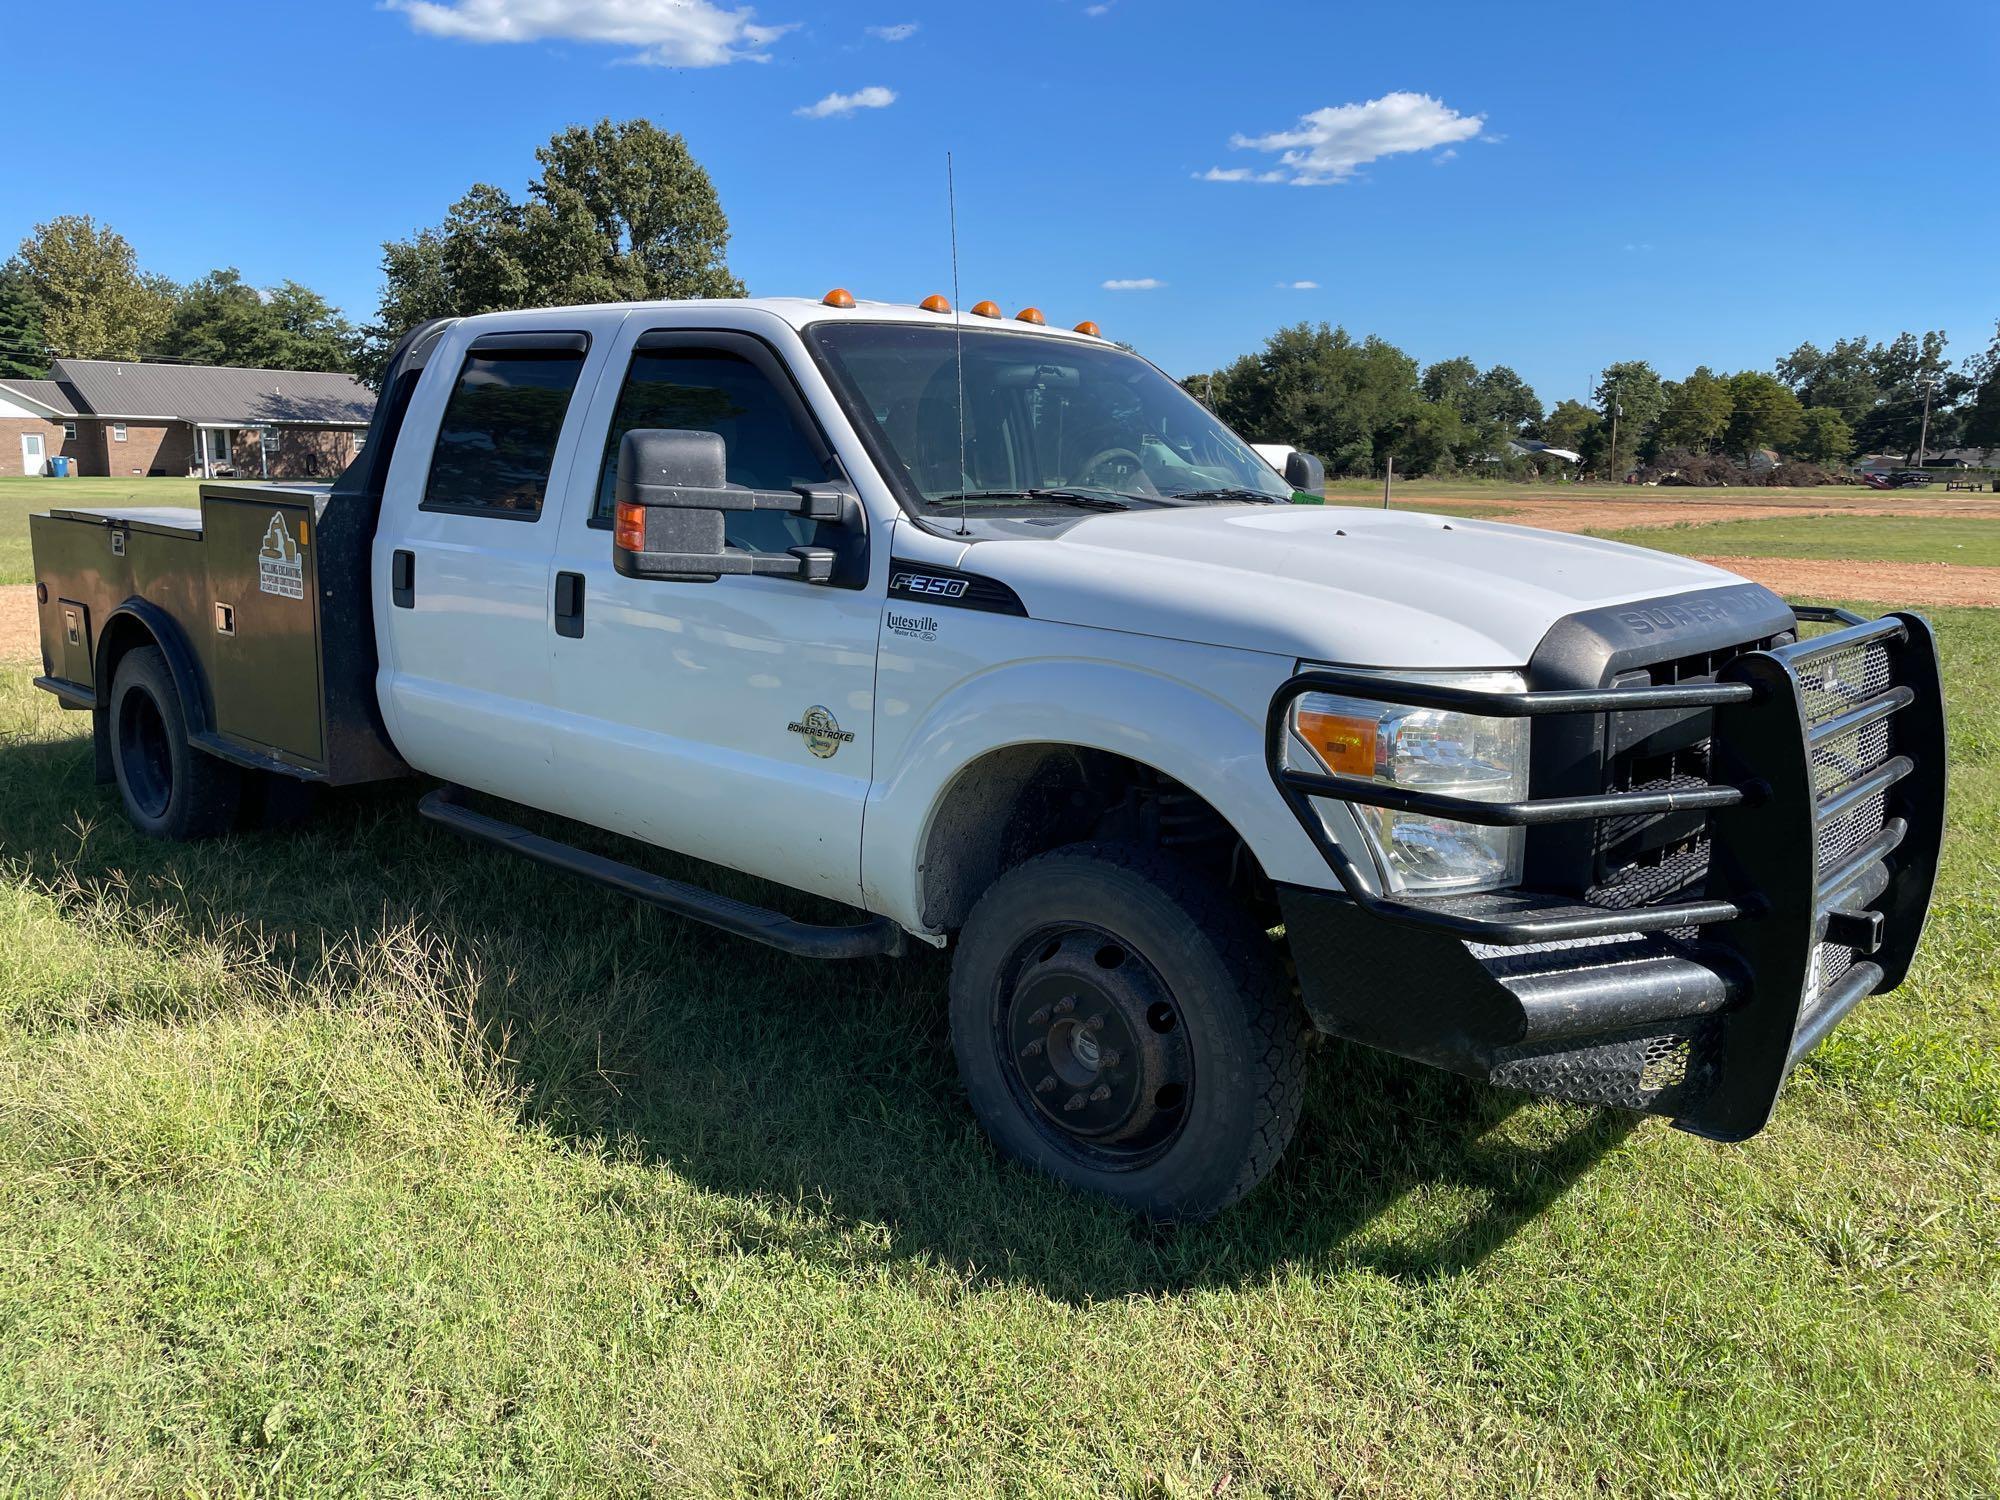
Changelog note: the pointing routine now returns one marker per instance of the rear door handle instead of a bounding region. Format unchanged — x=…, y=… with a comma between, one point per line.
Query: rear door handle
x=569, y=604
x=403, y=579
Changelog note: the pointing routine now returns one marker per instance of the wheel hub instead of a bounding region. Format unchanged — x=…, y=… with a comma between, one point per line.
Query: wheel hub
x=1093, y=1039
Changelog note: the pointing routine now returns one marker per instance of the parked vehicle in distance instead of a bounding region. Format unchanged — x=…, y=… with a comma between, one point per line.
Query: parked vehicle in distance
x=1908, y=479
x=995, y=635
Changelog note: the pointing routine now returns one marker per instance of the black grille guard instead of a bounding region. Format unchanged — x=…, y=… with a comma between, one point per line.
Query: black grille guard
x=1768, y=906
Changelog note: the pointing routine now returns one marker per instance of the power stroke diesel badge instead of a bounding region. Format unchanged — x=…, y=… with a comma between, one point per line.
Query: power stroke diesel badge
x=821, y=731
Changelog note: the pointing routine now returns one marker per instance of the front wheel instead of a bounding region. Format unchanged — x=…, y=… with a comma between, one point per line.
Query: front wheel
x=1126, y=1027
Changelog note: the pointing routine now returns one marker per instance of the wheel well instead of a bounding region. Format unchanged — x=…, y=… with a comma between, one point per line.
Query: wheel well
x=122, y=634
x=1012, y=804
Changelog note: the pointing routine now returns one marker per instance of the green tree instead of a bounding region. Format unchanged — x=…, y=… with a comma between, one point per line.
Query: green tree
x=23, y=345
x=1505, y=398
x=1824, y=437
x=1910, y=372
x=1981, y=427
x=1763, y=414
x=1633, y=387
x=96, y=303
x=1321, y=390
x=222, y=320
x=1571, y=425
x=1696, y=412
x=1844, y=377
x=620, y=211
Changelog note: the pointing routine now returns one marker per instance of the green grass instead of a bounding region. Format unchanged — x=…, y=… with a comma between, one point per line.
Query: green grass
x=1935, y=539
x=21, y=498
x=1422, y=492
x=356, y=1160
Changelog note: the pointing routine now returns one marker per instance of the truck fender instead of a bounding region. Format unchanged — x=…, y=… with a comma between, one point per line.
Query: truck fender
x=139, y=622
x=1175, y=727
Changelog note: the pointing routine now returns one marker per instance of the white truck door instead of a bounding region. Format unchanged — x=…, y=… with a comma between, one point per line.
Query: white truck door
x=462, y=555
x=729, y=720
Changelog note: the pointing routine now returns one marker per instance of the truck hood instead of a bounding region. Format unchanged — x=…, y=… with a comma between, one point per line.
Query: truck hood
x=1357, y=587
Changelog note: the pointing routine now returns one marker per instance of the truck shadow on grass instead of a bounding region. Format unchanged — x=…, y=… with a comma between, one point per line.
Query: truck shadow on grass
x=817, y=1103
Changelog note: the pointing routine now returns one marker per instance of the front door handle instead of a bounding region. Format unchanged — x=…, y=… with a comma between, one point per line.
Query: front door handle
x=403, y=579
x=569, y=604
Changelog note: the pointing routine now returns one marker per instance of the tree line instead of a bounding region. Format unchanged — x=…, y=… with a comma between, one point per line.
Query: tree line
x=1359, y=404
x=622, y=211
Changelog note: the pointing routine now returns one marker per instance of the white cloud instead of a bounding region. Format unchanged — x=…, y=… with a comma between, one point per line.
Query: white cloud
x=665, y=33
x=1298, y=286
x=1134, y=284
x=1331, y=145
x=902, y=31
x=872, y=97
x=1098, y=10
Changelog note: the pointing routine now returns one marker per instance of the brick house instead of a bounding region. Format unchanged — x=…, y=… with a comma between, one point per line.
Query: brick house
x=115, y=418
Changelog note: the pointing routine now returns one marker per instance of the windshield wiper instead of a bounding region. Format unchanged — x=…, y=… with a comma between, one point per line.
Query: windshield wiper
x=1230, y=492
x=1040, y=496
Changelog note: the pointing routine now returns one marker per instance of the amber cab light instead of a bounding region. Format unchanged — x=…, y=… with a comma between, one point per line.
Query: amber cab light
x=986, y=309
x=1031, y=315
x=629, y=526
x=935, y=302
x=1086, y=326
x=840, y=296
x=1345, y=742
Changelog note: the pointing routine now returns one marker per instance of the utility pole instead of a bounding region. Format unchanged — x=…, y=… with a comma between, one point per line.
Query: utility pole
x=1924, y=434
x=1614, y=425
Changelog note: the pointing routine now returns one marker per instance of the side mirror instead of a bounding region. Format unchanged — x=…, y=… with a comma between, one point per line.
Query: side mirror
x=1306, y=473
x=672, y=495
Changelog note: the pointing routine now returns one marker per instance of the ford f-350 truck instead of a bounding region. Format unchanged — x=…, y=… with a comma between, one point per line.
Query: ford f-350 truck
x=990, y=632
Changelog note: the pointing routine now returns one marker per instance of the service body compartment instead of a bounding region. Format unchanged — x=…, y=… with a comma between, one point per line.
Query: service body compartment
x=264, y=620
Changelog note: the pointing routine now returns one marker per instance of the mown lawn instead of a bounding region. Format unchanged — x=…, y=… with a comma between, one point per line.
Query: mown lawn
x=354, y=1160
x=1940, y=539
x=20, y=498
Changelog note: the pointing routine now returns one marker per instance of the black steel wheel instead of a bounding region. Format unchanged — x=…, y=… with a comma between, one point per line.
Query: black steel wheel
x=1125, y=1026
x=171, y=790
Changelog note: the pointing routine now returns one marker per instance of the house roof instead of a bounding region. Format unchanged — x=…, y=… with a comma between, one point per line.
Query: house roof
x=211, y=393
x=44, y=393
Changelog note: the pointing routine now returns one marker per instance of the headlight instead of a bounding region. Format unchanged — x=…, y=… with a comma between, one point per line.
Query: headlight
x=1466, y=755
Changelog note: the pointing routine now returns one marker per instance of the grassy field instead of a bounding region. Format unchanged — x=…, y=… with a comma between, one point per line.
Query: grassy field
x=1424, y=493
x=355, y=1160
x=1940, y=539
x=20, y=498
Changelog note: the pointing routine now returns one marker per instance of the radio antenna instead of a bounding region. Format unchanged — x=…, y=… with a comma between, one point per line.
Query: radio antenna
x=958, y=332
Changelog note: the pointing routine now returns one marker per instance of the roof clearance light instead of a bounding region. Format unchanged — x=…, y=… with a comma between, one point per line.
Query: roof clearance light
x=1031, y=315
x=840, y=296
x=986, y=309
x=1086, y=326
x=936, y=303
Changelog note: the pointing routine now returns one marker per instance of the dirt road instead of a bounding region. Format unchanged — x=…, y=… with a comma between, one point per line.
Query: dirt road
x=18, y=639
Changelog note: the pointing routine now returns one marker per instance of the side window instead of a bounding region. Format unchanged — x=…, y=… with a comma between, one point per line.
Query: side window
x=713, y=390
x=498, y=437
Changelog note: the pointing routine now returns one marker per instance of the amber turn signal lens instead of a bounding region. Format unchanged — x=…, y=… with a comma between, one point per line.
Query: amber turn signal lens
x=1086, y=326
x=1346, y=742
x=629, y=526
x=840, y=296
x=1031, y=315
x=935, y=302
x=986, y=309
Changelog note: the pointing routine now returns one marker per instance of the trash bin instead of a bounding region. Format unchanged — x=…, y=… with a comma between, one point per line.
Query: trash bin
x=59, y=467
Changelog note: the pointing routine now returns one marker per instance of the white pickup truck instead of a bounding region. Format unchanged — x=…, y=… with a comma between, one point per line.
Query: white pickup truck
x=993, y=634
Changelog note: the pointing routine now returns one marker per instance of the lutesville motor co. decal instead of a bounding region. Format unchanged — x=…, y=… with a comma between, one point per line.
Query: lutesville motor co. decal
x=280, y=569
x=821, y=730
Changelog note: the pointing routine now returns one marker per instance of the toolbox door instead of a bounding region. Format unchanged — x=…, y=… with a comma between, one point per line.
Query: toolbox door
x=264, y=631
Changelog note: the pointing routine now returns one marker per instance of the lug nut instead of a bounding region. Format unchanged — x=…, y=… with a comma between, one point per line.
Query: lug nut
x=1065, y=1005
x=1040, y=1017
x=1046, y=1084
x=1033, y=1049
x=1101, y=1093
x=1074, y=1101
x=1108, y=1060
x=1095, y=1023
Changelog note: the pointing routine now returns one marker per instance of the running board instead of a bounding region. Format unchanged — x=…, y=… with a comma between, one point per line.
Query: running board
x=869, y=939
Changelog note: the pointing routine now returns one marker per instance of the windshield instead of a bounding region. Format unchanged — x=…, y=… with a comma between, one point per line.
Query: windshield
x=1047, y=421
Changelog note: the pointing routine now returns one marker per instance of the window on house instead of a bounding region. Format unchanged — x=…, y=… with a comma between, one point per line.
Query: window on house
x=117, y=432
x=497, y=441
x=69, y=432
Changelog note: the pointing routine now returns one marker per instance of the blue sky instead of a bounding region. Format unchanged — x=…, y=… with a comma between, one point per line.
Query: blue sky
x=1554, y=186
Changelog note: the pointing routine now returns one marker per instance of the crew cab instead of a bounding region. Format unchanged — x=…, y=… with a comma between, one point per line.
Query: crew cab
x=991, y=633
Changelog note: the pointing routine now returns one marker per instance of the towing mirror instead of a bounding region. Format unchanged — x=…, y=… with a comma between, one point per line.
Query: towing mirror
x=1306, y=473
x=672, y=496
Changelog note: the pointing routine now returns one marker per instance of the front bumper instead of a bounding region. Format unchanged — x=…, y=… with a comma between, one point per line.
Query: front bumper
x=1824, y=810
